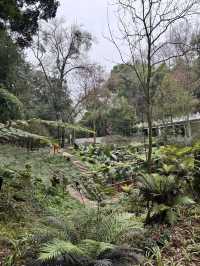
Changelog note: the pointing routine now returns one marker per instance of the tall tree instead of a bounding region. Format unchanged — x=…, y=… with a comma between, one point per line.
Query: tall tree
x=124, y=82
x=61, y=50
x=9, y=58
x=95, y=96
x=21, y=17
x=146, y=26
x=172, y=100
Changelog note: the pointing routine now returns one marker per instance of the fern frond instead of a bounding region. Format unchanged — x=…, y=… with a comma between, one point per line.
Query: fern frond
x=65, y=229
x=113, y=226
x=59, y=248
x=93, y=248
x=84, y=222
x=155, y=184
x=183, y=200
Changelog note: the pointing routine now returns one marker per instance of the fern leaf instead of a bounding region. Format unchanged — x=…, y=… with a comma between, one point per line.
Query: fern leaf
x=93, y=248
x=58, y=248
x=184, y=200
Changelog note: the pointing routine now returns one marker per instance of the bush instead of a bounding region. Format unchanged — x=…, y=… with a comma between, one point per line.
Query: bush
x=10, y=106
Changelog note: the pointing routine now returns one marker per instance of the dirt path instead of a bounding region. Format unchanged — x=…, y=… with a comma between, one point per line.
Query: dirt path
x=83, y=169
x=81, y=198
x=72, y=191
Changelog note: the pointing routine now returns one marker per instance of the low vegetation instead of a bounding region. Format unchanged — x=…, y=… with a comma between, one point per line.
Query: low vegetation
x=142, y=225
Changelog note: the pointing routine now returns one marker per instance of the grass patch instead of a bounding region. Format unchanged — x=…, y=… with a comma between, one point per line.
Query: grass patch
x=43, y=163
x=25, y=204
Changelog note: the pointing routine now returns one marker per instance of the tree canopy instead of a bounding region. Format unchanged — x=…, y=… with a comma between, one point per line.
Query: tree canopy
x=22, y=16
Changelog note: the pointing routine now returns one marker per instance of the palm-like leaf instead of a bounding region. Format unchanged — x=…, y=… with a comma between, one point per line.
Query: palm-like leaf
x=59, y=248
x=65, y=229
x=84, y=222
x=65, y=253
x=114, y=226
x=93, y=248
x=168, y=168
x=155, y=185
x=183, y=200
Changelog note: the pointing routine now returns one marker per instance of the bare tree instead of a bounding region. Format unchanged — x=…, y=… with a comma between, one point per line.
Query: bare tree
x=145, y=27
x=94, y=92
x=60, y=51
x=87, y=80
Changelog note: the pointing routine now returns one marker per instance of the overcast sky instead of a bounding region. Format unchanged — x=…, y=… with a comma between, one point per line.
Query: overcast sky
x=92, y=14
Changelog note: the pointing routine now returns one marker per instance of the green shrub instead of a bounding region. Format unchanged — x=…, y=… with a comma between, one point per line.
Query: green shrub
x=10, y=106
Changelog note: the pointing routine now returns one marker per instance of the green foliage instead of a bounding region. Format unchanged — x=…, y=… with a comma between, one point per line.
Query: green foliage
x=60, y=124
x=165, y=193
x=59, y=248
x=133, y=202
x=67, y=232
x=114, y=162
x=115, y=118
x=10, y=106
x=124, y=82
x=156, y=187
x=25, y=23
x=127, y=188
x=8, y=173
x=173, y=99
x=98, y=253
x=18, y=137
x=94, y=248
x=104, y=231
x=115, y=227
x=177, y=160
x=43, y=164
x=9, y=58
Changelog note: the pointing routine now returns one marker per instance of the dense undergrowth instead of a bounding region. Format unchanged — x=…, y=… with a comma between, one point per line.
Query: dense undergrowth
x=154, y=221
x=27, y=197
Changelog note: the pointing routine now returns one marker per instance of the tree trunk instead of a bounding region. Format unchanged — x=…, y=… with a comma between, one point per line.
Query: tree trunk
x=94, y=129
x=62, y=137
x=149, y=121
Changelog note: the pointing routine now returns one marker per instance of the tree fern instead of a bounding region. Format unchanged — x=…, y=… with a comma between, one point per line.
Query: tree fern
x=90, y=252
x=165, y=194
x=156, y=184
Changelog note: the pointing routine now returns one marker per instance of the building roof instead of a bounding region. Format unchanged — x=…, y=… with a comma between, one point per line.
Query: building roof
x=176, y=120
